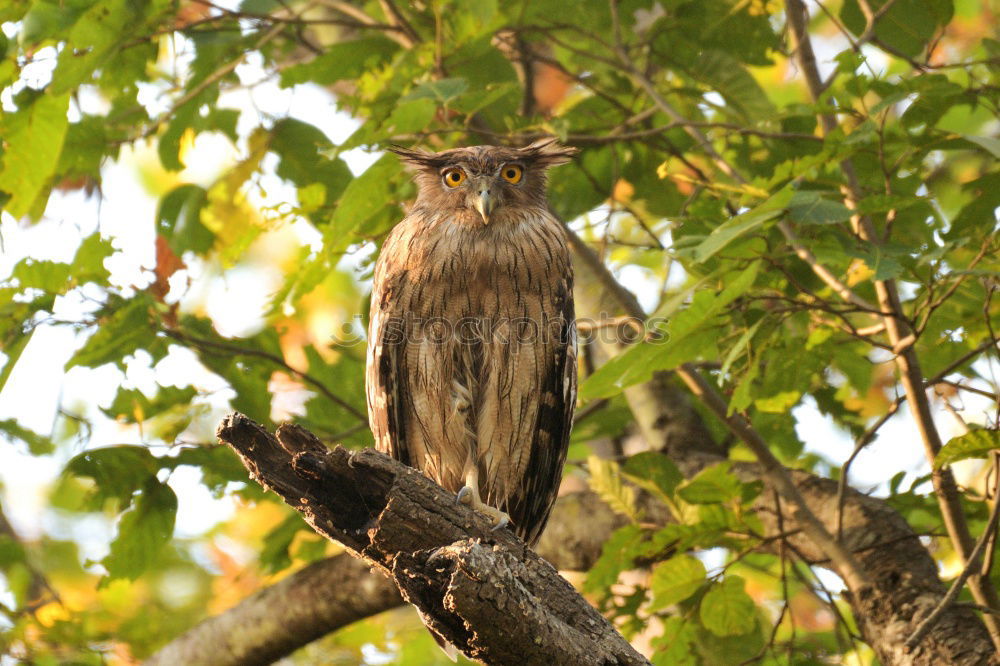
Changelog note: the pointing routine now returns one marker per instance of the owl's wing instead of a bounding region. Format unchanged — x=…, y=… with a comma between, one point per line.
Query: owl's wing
x=385, y=374
x=529, y=509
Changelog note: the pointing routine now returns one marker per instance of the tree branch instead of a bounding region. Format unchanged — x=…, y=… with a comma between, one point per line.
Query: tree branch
x=335, y=592
x=901, y=337
x=956, y=585
x=485, y=592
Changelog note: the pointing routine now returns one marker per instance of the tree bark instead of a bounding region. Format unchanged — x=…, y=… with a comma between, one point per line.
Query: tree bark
x=483, y=591
x=340, y=590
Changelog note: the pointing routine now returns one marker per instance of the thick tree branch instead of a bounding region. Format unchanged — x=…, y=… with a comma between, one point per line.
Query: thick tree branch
x=335, y=592
x=483, y=591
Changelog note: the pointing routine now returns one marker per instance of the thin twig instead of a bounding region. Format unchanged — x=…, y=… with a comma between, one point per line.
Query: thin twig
x=956, y=585
x=971, y=389
x=960, y=361
x=859, y=446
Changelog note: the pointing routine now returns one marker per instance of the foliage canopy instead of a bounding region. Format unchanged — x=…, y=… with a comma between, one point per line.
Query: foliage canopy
x=767, y=193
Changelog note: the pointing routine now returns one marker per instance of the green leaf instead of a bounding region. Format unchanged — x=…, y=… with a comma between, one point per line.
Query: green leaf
x=33, y=139
x=606, y=481
x=881, y=203
x=973, y=444
x=653, y=471
x=807, y=207
x=725, y=75
x=92, y=40
x=88, y=263
x=737, y=350
x=712, y=485
x=132, y=405
x=727, y=610
x=301, y=148
x=178, y=219
x=743, y=223
x=440, y=90
x=13, y=351
x=341, y=60
x=410, y=117
x=674, y=646
x=119, y=334
x=38, y=445
x=617, y=555
x=778, y=403
x=680, y=344
x=906, y=27
x=144, y=530
x=884, y=266
x=47, y=19
x=744, y=648
x=675, y=580
x=984, y=194
x=48, y=276
x=118, y=471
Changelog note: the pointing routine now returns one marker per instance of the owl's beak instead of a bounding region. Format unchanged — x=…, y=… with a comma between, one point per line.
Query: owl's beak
x=484, y=204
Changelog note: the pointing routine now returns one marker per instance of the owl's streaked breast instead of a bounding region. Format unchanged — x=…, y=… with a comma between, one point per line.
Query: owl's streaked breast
x=458, y=271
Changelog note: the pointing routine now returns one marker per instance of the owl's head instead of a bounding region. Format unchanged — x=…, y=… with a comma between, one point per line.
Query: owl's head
x=485, y=181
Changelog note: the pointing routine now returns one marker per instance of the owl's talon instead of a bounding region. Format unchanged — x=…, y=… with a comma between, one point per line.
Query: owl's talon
x=503, y=520
x=468, y=496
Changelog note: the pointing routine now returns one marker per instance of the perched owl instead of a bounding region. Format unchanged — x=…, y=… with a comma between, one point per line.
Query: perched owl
x=471, y=369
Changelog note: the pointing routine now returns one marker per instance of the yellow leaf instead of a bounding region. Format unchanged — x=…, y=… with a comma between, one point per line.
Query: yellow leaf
x=186, y=145
x=623, y=191
x=51, y=613
x=858, y=272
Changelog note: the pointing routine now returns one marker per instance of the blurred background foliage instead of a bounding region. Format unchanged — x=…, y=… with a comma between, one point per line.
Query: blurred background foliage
x=245, y=286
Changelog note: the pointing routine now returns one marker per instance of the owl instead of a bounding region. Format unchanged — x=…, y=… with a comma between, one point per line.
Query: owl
x=471, y=363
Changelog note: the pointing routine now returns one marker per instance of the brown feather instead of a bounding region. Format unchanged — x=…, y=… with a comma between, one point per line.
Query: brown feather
x=472, y=341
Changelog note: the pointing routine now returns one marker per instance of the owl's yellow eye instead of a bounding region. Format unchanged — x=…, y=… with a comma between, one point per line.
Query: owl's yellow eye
x=454, y=177
x=512, y=173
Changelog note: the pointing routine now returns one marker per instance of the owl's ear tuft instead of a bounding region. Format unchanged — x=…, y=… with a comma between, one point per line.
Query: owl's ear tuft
x=547, y=152
x=418, y=158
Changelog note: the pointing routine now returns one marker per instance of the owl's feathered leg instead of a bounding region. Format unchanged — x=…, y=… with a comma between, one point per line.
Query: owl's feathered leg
x=469, y=496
